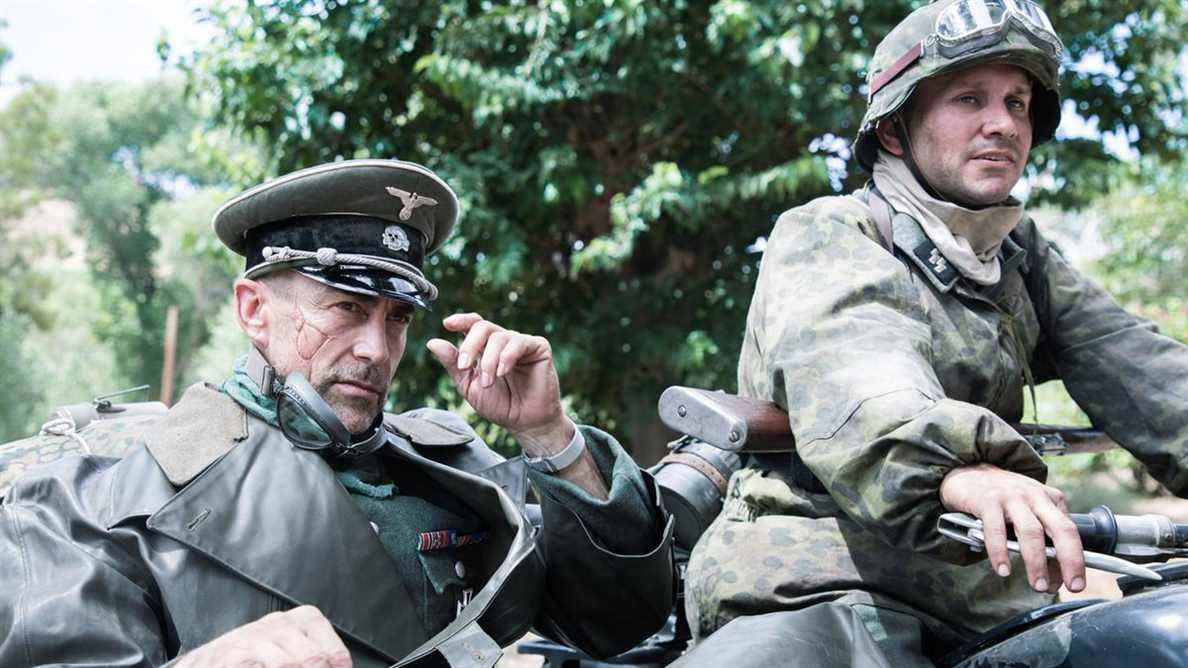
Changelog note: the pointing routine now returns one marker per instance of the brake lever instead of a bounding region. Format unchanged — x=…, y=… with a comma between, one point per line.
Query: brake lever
x=968, y=530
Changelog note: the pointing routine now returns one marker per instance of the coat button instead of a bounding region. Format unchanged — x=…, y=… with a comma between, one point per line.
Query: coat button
x=460, y=569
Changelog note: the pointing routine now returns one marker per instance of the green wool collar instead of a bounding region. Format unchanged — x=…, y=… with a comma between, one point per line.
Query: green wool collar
x=363, y=476
x=248, y=394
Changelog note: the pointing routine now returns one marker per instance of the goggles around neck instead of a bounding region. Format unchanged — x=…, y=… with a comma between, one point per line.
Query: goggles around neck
x=969, y=26
x=305, y=418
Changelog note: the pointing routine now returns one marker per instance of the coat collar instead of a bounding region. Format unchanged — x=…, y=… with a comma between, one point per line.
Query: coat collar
x=909, y=237
x=201, y=428
x=915, y=245
x=276, y=516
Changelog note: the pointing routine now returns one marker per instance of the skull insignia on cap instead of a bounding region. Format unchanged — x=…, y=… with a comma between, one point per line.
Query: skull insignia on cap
x=395, y=238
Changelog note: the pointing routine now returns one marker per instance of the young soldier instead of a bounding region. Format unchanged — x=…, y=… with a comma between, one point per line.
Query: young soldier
x=899, y=327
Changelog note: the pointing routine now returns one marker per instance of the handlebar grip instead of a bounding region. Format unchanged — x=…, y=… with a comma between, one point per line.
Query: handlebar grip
x=1102, y=531
x=1098, y=529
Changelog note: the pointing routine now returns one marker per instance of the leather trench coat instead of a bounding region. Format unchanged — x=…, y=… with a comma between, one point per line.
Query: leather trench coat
x=216, y=520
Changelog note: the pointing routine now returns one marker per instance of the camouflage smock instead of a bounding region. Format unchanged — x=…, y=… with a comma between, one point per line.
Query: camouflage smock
x=894, y=371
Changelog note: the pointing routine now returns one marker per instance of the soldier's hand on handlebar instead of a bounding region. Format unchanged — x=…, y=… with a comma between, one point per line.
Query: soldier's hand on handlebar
x=301, y=636
x=1033, y=509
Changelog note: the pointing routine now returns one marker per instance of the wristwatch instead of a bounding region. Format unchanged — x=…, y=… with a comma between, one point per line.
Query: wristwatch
x=554, y=463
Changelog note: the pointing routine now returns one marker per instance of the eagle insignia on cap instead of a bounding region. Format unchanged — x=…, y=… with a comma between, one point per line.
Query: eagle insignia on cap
x=395, y=238
x=411, y=201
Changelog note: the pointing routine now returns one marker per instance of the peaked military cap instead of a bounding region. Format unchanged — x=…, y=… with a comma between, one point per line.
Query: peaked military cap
x=362, y=226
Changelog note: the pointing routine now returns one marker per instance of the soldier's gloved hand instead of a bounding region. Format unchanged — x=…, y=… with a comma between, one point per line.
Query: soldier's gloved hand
x=299, y=637
x=997, y=496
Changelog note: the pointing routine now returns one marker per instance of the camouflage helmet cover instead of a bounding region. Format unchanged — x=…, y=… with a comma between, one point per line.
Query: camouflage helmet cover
x=916, y=33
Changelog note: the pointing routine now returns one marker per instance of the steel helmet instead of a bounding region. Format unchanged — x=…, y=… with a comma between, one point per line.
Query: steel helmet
x=949, y=35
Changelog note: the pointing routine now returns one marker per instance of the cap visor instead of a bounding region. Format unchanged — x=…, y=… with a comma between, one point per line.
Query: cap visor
x=368, y=281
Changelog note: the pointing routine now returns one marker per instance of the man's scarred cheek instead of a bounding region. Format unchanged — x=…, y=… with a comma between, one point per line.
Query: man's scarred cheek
x=310, y=338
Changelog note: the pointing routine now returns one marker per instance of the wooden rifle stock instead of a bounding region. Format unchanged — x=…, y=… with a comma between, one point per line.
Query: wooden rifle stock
x=742, y=424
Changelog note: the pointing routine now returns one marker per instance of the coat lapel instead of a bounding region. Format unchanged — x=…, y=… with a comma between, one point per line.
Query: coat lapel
x=276, y=516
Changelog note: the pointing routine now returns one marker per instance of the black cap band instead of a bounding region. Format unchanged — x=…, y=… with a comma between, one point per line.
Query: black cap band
x=361, y=235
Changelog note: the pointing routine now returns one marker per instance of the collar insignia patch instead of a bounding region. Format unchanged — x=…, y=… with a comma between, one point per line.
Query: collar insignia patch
x=938, y=262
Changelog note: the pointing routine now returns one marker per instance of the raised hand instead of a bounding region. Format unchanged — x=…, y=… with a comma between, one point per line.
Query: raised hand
x=508, y=378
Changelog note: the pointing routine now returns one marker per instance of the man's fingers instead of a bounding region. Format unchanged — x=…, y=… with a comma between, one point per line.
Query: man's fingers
x=1029, y=532
x=994, y=529
x=295, y=647
x=301, y=636
x=263, y=651
x=524, y=349
x=1055, y=576
x=1069, y=551
x=447, y=355
x=471, y=348
x=489, y=364
x=1057, y=498
x=444, y=351
x=322, y=636
x=460, y=322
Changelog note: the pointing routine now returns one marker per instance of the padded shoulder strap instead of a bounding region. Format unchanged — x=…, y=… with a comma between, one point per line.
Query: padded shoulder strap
x=443, y=437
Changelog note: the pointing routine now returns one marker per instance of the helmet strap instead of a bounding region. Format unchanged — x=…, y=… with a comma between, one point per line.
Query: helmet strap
x=908, y=157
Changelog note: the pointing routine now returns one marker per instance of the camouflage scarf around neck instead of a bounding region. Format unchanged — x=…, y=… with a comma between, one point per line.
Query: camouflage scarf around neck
x=968, y=238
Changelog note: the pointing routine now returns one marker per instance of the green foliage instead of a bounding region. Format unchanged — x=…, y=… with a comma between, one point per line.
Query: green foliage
x=1146, y=229
x=120, y=155
x=25, y=385
x=616, y=158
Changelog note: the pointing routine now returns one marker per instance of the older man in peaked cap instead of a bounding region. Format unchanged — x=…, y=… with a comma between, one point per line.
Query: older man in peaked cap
x=281, y=518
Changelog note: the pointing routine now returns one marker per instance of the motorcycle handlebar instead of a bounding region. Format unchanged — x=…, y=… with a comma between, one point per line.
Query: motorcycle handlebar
x=1103, y=531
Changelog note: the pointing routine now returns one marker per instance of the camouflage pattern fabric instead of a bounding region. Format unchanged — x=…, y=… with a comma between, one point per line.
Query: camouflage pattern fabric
x=108, y=438
x=892, y=378
x=853, y=629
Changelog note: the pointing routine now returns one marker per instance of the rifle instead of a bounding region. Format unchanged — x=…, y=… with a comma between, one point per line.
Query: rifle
x=741, y=424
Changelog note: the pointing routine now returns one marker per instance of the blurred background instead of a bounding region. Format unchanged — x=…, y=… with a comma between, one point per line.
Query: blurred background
x=619, y=164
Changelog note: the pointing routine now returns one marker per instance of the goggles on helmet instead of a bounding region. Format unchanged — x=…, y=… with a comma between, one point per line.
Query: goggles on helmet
x=968, y=26
x=308, y=421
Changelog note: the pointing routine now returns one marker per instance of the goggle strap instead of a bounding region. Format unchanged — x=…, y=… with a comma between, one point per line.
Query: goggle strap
x=261, y=372
x=888, y=75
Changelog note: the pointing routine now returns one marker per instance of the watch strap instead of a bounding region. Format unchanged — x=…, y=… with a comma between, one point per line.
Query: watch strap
x=561, y=460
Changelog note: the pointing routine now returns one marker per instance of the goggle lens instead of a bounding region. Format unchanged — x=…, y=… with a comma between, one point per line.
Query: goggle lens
x=310, y=423
x=969, y=20
x=299, y=424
